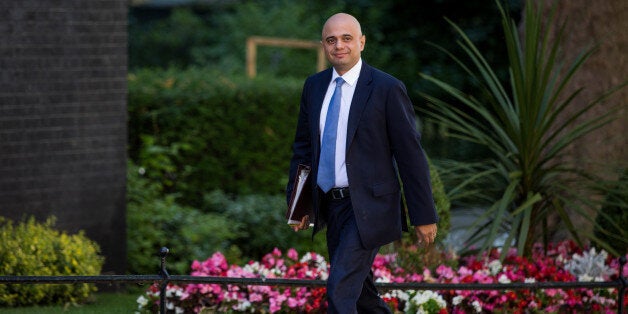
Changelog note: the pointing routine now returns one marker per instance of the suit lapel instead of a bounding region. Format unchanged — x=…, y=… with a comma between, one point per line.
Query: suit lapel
x=361, y=95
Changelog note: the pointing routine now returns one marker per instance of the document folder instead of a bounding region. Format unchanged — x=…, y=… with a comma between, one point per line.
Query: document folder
x=300, y=203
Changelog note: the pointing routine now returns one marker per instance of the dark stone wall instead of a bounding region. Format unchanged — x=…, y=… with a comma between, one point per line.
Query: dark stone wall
x=63, y=90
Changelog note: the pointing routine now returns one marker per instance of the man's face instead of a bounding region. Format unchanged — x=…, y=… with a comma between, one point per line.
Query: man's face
x=343, y=42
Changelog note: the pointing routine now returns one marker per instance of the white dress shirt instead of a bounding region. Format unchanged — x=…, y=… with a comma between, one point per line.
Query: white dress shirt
x=348, y=88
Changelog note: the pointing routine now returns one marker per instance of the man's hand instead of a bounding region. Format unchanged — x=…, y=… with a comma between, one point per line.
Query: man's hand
x=426, y=233
x=305, y=223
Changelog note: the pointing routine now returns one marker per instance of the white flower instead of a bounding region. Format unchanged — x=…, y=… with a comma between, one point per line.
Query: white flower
x=603, y=301
x=142, y=301
x=476, y=306
x=382, y=279
x=560, y=259
x=399, y=294
x=402, y=295
x=319, y=261
x=589, y=266
x=457, y=299
x=242, y=305
x=529, y=280
x=251, y=268
x=422, y=297
x=170, y=292
x=179, y=310
x=495, y=266
x=503, y=279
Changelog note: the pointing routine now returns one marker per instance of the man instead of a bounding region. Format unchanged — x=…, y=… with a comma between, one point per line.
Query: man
x=358, y=135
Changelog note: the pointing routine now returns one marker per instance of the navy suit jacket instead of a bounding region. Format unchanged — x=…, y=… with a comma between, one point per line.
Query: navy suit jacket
x=383, y=146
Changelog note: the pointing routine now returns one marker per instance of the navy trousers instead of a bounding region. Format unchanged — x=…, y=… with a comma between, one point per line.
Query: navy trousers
x=350, y=286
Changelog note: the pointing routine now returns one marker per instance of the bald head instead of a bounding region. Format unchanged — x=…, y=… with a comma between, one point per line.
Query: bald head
x=345, y=19
x=342, y=41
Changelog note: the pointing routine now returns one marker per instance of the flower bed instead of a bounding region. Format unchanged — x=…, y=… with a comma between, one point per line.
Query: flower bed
x=563, y=262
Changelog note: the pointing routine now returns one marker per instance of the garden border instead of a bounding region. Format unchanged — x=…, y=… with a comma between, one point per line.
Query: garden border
x=163, y=278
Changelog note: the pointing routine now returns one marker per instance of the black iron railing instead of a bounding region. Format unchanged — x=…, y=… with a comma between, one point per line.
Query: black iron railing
x=163, y=278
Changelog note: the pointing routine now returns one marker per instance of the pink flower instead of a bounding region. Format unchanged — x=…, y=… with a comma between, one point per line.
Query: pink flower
x=216, y=289
x=413, y=278
x=482, y=276
x=276, y=300
x=380, y=261
x=293, y=255
x=255, y=297
x=445, y=272
x=292, y=302
x=195, y=265
x=427, y=275
x=464, y=271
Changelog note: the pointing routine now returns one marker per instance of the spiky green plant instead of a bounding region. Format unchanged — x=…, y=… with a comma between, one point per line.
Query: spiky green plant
x=527, y=128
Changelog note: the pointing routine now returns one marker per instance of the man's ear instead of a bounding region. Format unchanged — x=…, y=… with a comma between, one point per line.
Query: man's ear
x=362, y=42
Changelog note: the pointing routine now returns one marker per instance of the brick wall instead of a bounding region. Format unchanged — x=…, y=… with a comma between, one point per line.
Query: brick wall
x=63, y=66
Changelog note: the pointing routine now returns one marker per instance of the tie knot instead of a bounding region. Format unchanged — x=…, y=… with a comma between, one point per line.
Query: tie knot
x=339, y=81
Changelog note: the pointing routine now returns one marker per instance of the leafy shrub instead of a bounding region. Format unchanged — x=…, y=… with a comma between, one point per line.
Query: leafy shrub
x=441, y=201
x=241, y=226
x=37, y=249
x=232, y=134
x=612, y=219
x=155, y=220
x=176, y=38
x=244, y=226
x=261, y=224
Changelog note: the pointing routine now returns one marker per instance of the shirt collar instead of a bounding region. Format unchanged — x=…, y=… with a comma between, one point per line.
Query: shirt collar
x=351, y=76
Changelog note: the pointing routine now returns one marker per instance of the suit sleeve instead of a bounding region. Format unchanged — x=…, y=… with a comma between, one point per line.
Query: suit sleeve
x=301, y=147
x=410, y=158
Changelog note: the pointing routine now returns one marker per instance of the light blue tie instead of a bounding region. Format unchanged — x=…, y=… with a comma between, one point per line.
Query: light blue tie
x=327, y=166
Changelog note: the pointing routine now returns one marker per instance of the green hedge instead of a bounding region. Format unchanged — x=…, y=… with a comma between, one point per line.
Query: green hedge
x=261, y=224
x=37, y=249
x=155, y=220
x=612, y=219
x=216, y=132
x=242, y=227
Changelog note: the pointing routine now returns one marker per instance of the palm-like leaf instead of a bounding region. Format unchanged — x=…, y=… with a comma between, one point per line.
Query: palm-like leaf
x=520, y=125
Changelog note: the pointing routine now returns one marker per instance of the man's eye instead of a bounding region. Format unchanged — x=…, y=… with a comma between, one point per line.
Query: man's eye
x=346, y=39
x=331, y=41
